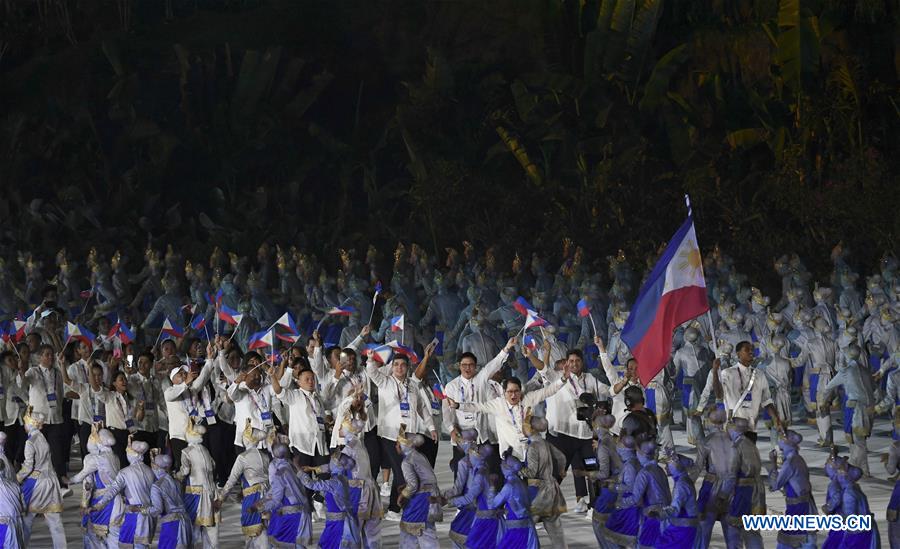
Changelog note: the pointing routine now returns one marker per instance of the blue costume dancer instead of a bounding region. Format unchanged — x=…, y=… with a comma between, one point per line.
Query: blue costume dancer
x=250, y=468
x=834, y=498
x=680, y=523
x=99, y=471
x=520, y=532
x=793, y=478
x=290, y=523
x=714, y=456
x=462, y=522
x=855, y=503
x=167, y=507
x=421, y=509
x=893, y=469
x=341, y=525
x=133, y=482
x=609, y=466
x=486, y=527
x=622, y=527
x=651, y=492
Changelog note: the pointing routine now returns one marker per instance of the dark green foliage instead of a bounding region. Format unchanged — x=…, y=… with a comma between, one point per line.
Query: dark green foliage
x=514, y=122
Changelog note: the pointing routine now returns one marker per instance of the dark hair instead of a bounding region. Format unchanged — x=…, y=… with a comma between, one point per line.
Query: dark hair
x=4, y=355
x=511, y=380
x=304, y=370
x=331, y=349
x=634, y=395
x=630, y=360
x=401, y=357
x=192, y=340
x=44, y=346
x=467, y=354
x=349, y=351
x=300, y=363
x=576, y=352
x=742, y=345
x=168, y=340
x=147, y=354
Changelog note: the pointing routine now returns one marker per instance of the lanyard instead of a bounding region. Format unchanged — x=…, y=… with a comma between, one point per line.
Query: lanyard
x=512, y=416
x=462, y=392
x=575, y=386
x=124, y=409
x=405, y=396
x=312, y=404
x=250, y=393
x=51, y=386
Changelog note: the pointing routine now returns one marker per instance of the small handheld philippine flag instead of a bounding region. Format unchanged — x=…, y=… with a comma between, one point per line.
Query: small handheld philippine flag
x=171, y=328
x=287, y=322
x=229, y=315
x=198, y=322
x=583, y=308
x=438, y=391
x=260, y=340
x=532, y=320
x=344, y=310
x=378, y=288
x=397, y=323
x=530, y=343
x=379, y=353
x=522, y=306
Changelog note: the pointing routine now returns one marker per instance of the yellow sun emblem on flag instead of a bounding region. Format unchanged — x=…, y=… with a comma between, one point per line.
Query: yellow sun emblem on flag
x=690, y=260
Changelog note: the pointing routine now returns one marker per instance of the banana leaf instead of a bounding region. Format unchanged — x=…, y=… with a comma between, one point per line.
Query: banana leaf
x=658, y=84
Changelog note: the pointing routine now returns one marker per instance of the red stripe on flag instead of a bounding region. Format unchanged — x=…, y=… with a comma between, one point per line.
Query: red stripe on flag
x=674, y=309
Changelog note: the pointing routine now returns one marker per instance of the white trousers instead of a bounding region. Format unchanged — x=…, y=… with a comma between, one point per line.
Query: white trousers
x=54, y=522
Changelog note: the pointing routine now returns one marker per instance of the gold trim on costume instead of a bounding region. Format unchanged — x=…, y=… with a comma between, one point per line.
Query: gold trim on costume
x=252, y=531
x=412, y=528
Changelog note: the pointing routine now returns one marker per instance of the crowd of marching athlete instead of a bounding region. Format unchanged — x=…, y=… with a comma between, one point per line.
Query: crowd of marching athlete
x=198, y=389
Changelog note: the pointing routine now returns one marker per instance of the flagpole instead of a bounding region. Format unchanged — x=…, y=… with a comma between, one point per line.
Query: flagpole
x=712, y=328
x=594, y=326
x=372, y=312
x=235, y=328
x=217, y=317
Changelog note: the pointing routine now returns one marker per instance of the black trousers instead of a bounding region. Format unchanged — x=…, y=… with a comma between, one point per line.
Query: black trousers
x=121, y=443
x=176, y=445
x=391, y=458
x=60, y=446
x=373, y=447
x=430, y=450
x=84, y=432
x=575, y=450
x=15, y=442
x=458, y=454
x=219, y=440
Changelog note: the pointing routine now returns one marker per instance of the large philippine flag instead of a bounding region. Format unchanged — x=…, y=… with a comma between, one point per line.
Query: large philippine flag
x=674, y=293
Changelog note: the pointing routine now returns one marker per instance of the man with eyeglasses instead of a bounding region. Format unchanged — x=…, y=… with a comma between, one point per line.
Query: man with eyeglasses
x=510, y=409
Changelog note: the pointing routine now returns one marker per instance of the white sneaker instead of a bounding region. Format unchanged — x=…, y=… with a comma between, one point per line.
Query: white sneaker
x=393, y=516
x=385, y=489
x=581, y=506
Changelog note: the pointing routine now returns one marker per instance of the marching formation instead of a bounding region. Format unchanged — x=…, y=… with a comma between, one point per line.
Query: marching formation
x=306, y=395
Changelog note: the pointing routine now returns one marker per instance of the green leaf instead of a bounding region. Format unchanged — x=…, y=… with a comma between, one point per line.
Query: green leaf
x=658, y=83
x=640, y=38
x=747, y=137
x=620, y=25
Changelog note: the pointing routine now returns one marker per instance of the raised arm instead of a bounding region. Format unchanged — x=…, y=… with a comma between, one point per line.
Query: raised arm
x=374, y=373
x=494, y=365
